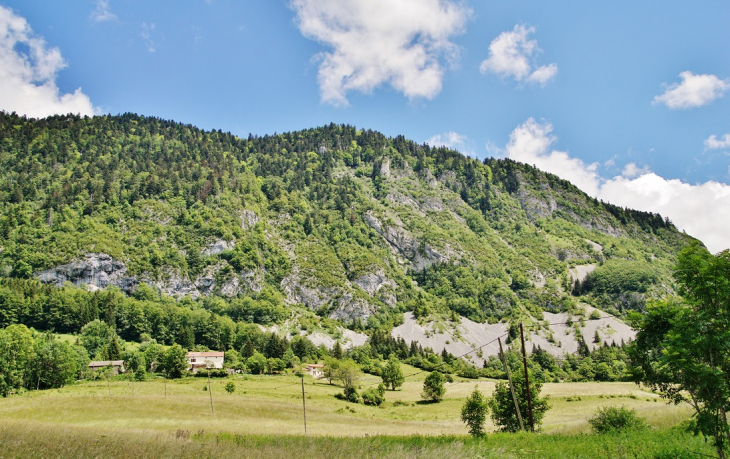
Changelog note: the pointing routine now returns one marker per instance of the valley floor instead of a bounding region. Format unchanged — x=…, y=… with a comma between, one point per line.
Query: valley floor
x=264, y=417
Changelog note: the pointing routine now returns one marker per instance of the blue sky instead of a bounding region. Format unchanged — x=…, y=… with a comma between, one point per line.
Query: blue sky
x=629, y=100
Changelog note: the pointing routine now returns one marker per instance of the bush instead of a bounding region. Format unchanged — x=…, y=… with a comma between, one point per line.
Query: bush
x=612, y=419
x=349, y=395
x=230, y=387
x=220, y=373
x=374, y=396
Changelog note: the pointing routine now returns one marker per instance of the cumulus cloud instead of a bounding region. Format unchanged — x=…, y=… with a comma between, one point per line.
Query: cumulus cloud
x=702, y=210
x=713, y=143
x=452, y=140
x=28, y=69
x=693, y=91
x=102, y=12
x=400, y=42
x=513, y=55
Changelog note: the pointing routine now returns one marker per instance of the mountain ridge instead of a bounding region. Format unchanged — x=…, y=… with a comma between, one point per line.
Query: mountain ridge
x=343, y=222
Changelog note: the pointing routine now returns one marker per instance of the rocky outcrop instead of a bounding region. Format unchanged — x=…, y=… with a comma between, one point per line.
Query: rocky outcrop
x=378, y=285
x=96, y=271
x=420, y=255
x=248, y=219
x=218, y=246
x=176, y=285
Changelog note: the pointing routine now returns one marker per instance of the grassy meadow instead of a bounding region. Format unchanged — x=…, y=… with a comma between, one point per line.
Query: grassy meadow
x=264, y=417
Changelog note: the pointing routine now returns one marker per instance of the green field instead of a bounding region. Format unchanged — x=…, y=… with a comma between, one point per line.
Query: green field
x=264, y=417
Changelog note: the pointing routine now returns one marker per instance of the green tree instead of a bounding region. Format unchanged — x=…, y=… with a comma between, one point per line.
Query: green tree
x=230, y=387
x=337, y=351
x=174, y=362
x=348, y=374
x=502, y=405
x=433, y=387
x=474, y=413
x=681, y=348
x=392, y=374
x=55, y=363
x=256, y=363
x=96, y=336
x=17, y=351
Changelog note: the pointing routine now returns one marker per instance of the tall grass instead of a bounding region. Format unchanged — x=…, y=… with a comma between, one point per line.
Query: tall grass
x=263, y=417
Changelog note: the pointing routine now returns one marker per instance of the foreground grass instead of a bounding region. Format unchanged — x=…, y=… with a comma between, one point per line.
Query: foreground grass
x=31, y=441
x=264, y=417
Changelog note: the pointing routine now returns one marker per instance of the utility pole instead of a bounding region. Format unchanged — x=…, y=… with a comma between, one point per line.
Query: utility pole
x=527, y=379
x=210, y=391
x=304, y=405
x=511, y=386
x=164, y=372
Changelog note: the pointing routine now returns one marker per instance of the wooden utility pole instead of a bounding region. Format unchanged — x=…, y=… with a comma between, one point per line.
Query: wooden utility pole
x=210, y=391
x=527, y=379
x=304, y=406
x=109, y=385
x=164, y=372
x=511, y=386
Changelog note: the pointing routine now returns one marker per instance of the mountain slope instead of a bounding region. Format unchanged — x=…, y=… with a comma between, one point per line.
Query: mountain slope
x=347, y=223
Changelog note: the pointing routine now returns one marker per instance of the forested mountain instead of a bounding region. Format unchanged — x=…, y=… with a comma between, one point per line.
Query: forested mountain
x=334, y=222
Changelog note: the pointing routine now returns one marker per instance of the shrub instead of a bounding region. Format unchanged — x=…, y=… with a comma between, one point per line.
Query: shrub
x=374, y=396
x=230, y=387
x=349, y=395
x=612, y=419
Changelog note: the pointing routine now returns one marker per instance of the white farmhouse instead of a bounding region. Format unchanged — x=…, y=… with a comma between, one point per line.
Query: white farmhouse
x=203, y=360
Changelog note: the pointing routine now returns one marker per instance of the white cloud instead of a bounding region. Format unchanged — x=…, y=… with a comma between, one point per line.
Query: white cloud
x=702, y=210
x=28, y=69
x=530, y=143
x=103, y=12
x=146, y=35
x=513, y=55
x=453, y=140
x=693, y=91
x=713, y=143
x=399, y=42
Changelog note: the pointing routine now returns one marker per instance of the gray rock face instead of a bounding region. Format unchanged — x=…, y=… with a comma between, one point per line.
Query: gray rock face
x=248, y=219
x=177, y=286
x=217, y=247
x=419, y=255
x=385, y=167
x=96, y=270
x=378, y=285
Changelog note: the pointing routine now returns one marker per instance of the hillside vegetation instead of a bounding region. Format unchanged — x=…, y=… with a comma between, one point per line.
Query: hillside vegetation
x=309, y=227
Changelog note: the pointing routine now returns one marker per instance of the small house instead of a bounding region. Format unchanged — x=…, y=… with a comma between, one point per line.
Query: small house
x=203, y=360
x=316, y=370
x=117, y=366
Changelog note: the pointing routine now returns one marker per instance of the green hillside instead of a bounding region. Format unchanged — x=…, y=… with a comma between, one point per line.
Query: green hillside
x=320, y=225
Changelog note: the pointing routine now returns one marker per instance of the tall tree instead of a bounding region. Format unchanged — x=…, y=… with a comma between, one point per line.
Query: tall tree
x=392, y=374
x=502, y=404
x=474, y=413
x=682, y=348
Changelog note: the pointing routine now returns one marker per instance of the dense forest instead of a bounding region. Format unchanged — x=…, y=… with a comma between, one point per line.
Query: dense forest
x=181, y=227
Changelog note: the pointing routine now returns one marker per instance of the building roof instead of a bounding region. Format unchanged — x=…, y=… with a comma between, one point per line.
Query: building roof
x=204, y=354
x=106, y=363
x=314, y=365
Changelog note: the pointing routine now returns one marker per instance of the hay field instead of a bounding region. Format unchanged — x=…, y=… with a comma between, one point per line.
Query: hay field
x=267, y=410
